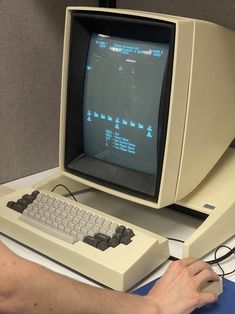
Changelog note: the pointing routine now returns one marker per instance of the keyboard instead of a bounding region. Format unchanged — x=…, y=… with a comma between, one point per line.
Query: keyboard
x=70, y=223
x=104, y=248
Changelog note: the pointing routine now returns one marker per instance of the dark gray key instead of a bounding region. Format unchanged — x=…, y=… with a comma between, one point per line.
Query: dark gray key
x=129, y=233
x=120, y=229
x=102, y=237
x=113, y=242
x=102, y=245
x=125, y=240
x=91, y=241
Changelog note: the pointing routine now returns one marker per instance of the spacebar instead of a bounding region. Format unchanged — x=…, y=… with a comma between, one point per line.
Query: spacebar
x=49, y=230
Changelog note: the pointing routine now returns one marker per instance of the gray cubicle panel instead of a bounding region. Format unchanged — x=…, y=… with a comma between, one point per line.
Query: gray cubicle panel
x=31, y=37
x=217, y=11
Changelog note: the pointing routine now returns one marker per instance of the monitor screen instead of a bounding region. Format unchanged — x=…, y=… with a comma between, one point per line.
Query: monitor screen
x=118, y=91
x=122, y=92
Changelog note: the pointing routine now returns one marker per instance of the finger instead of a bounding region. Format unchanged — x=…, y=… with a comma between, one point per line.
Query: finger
x=187, y=261
x=175, y=269
x=204, y=276
x=206, y=298
x=198, y=266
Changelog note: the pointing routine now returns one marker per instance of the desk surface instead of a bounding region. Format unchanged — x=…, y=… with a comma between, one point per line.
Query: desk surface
x=169, y=224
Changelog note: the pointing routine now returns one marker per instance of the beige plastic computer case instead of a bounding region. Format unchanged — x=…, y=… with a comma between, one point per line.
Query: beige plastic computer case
x=198, y=168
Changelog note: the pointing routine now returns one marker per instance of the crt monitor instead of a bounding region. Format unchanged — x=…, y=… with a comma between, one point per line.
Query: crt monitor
x=123, y=122
x=118, y=101
x=147, y=102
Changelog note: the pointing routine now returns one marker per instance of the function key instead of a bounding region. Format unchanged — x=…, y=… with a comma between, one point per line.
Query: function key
x=102, y=237
x=113, y=242
x=34, y=194
x=102, y=245
x=125, y=240
x=123, y=235
x=129, y=233
x=27, y=197
x=11, y=204
x=91, y=241
x=120, y=229
x=23, y=203
x=16, y=206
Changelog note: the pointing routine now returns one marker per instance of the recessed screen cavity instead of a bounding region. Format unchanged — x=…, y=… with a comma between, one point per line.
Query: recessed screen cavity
x=122, y=92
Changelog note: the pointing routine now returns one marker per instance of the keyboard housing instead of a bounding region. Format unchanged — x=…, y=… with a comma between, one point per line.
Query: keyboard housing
x=119, y=268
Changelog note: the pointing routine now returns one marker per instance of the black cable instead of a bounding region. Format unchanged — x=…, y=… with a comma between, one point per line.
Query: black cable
x=173, y=258
x=231, y=251
x=61, y=185
x=223, y=257
x=227, y=274
x=216, y=260
x=174, y=239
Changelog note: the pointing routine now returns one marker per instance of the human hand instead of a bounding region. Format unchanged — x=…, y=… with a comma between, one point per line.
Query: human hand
x=179, y=289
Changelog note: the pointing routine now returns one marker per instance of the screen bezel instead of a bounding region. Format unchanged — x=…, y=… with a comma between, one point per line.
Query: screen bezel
x=83, y=24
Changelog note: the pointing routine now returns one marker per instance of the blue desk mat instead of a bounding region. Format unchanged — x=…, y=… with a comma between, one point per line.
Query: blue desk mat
x=224, y=305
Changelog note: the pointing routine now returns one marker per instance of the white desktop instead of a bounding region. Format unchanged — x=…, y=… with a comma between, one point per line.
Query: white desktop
x=147, y=116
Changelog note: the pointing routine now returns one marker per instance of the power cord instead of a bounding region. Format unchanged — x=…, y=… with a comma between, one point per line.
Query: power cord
x=62, y=185
x=177, y=240
x=222, y=258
